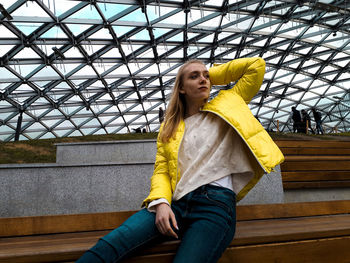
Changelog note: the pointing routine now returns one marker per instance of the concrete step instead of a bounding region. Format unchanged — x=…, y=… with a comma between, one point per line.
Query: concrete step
x=129, y=151
x=53, y=189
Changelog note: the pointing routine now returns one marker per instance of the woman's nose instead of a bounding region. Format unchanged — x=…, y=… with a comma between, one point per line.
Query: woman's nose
x=203, y=79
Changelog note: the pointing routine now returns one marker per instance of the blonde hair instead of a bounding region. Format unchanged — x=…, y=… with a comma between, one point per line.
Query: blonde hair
x=177, y=105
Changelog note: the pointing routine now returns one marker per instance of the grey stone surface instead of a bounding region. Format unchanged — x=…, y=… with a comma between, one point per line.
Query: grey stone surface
x=313, y=195
x=96, y=177
x=43, y=189
x=106, y=152
x=29, y=190
x=268, y=190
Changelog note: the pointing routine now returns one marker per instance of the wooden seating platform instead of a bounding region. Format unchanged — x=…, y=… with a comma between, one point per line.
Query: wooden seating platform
x=315, y=164
x=289, y=233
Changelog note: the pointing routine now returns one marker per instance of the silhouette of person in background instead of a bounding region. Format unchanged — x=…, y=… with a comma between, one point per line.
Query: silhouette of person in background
x=296, y=117
x=306, y=121
x=137, y=130
x=318, y=120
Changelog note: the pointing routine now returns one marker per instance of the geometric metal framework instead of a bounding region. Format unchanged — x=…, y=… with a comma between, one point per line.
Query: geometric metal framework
x=72, y=68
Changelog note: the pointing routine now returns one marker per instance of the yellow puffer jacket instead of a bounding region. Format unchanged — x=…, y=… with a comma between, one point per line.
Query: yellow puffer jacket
x=230, y=105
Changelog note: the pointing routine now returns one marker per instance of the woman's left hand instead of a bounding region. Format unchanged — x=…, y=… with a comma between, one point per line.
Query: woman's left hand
x=165, y=217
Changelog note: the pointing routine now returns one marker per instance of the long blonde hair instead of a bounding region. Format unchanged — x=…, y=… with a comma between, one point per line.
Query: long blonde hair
x=177, y=105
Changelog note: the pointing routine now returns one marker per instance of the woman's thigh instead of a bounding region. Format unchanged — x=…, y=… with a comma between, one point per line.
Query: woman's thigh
x=212, y=221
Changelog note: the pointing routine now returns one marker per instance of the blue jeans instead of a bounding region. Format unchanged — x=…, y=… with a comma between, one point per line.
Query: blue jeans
x=206, y=218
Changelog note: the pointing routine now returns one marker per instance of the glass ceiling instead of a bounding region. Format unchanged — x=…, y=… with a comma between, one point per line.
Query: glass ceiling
x=73, y=68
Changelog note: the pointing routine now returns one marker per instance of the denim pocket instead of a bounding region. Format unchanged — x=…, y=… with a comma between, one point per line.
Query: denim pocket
x=222, y=199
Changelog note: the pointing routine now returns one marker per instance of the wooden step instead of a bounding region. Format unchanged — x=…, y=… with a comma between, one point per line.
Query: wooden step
x=69, y=246
x=315, y=151
x=329, y=165
x=271, y=228
x=312, y=144
x=40, y=225
x=292, y=176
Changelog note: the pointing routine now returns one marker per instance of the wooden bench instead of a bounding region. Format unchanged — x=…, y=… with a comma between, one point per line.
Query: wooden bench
x=315, y=164
x=290, y=233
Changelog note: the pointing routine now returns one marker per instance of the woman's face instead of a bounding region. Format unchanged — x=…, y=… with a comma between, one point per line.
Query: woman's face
x=196, y=83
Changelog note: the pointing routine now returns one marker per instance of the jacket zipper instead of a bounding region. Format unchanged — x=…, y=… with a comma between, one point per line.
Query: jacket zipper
x=239, y=135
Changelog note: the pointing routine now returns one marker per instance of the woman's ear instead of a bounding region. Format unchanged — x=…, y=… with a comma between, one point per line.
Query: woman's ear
x=182, y=91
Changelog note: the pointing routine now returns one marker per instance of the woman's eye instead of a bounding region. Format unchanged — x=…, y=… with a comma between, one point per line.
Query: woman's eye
x=193, y=76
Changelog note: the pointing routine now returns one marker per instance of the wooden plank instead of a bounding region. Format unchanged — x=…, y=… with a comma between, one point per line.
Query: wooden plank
x=308, y=251
x=286, y=210
x=315, y=175
x=70, y=246
x=21, y=226
x=316, y=184
x=312, y=144
x=315, y=165
x=315, y=151
x=325, y=250
x=35, y=225
x=313, y=158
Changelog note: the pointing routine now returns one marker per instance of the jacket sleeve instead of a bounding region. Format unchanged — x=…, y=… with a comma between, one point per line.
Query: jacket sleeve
x=160, y=180
x=248, y=72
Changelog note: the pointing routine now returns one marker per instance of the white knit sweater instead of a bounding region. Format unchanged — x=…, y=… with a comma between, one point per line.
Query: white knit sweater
x=211, y=152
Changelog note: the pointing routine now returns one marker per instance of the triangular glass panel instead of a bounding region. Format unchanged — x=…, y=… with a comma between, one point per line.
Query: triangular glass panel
x=5, y=49
x=73, y=52
x=103, y=33
x=27, y=28
x=77, y=29
x=213, y=23
x=26, y=52
x=113, y=53
x=130, y=49
x=177, y=54
x=26, y=10
x=135, y=16
x=209, y=38
x=159, y=32
x=142, y=35
x=91, y=49
x=110, y=9
x=54, y=32
x=89, y=12
x=175, y=19
x=45, y=72
x=23, y=70
x=122, y=30
x=101, y=66
x=147, y=54
x=5, y=33
x=6, y=77
x=85, y=71
x=344, y=76
x=62, y=6
x=177, y=37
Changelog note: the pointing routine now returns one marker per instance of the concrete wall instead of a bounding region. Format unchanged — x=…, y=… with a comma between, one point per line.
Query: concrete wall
x=39, y=189
x=96, y=177
x=106, y=152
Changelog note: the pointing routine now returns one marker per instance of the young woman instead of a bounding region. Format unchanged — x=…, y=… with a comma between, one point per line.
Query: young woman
x=209, y=155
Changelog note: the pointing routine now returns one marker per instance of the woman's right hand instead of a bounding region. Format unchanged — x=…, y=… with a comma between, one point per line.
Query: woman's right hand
x=165, y=217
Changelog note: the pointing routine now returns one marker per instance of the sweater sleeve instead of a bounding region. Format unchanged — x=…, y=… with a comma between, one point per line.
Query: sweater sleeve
x=248, y=72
